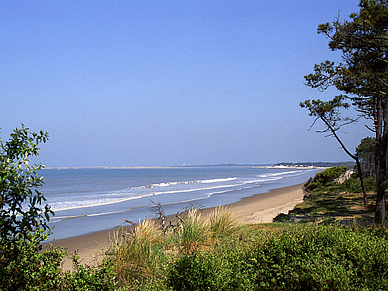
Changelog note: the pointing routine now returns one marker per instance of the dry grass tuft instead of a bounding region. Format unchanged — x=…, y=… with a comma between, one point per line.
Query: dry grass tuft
x=133, y=253
x=223, y=222
x=192, y=232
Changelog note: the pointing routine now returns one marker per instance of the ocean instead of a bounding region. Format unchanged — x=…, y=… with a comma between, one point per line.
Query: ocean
x=93, y=199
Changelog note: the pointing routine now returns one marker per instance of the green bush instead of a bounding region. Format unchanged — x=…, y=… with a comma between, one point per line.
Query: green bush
x=25, y=268
x=89, y=278
x=324, y=177
x=193, y=272
x=23, y=226
x=354, y=185
x=325, y=257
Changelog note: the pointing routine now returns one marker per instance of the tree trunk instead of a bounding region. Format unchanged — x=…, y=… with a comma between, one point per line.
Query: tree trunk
x=380, y=181
x=380, y=154
x=362, y=181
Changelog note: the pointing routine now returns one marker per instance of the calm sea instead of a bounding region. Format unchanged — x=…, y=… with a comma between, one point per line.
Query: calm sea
x=88, y=200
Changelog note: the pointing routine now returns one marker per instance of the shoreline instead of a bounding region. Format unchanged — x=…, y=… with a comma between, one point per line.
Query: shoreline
x=259, y=208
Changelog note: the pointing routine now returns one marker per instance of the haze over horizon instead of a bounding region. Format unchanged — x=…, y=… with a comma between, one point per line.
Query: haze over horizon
x=157, y=83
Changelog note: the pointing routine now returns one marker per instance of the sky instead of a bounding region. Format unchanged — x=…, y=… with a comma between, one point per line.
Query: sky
x=162, y=83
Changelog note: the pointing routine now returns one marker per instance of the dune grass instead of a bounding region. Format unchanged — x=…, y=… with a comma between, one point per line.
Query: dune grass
x=218, y=253
x=136, y=255
x=328, y=243
x=144, y=253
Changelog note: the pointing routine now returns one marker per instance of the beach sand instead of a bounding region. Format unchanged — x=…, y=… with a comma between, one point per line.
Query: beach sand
x=260, y=208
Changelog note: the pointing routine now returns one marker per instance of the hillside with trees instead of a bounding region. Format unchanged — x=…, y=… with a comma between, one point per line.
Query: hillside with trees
x=361, y=76
x=331, y=241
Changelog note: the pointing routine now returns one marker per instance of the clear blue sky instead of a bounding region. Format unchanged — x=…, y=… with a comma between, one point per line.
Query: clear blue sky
x=144, y=83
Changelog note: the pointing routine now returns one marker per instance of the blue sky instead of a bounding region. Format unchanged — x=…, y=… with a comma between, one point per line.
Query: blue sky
x=144, y=83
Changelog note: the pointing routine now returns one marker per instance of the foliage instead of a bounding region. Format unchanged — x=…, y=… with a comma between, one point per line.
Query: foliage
x=264, y=257
x=20, y=201
x=334, y=202
x=88, y=278
x=362, y=42
x=296, y=258
x=324, y=177
x=366, y=150
x=142, y=255
x=23, y=226
x=26, y=268
x=34, y=269
x=22, y=219
x=353, y=185
x=194, y=272
x=319, y=258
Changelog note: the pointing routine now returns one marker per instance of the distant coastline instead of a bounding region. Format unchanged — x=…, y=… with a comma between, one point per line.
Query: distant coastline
x=316, y=164
x=285, y=165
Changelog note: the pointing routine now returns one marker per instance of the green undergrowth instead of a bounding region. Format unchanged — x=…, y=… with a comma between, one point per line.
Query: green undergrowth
x=295, y=258
x=326, y=243
x=334, y=202
x=275, y=256
x=25, y=266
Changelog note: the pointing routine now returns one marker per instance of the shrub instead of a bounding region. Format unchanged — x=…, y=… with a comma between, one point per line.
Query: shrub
x=192, y=272
x=99, y=278
x=354, y=185
x=25, y=268
x=324, y=257
x=324, y=177
x=20, y=201
x=321, y=258
x=23, y=226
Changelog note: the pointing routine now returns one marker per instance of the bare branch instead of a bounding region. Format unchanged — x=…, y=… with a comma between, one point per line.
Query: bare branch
x=371, y=129
x=313, y=123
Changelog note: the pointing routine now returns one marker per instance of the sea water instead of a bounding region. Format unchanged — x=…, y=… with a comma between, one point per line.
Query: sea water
x=88, y=200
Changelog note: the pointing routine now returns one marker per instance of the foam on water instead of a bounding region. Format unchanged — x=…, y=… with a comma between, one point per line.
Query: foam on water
x=99, y=199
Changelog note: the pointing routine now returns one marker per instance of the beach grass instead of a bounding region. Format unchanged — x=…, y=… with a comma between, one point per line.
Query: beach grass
x=216, y=252
x=325, y=243
x=136, y=254
x=191, y=233
x=223, y=222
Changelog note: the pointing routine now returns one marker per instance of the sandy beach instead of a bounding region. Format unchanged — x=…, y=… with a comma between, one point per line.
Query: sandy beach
x=260, y=208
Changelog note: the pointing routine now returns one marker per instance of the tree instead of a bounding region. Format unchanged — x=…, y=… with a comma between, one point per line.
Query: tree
x=20, y=201
x=329, y=113
x=365, y=151
x=23, y=226
x=362, y=75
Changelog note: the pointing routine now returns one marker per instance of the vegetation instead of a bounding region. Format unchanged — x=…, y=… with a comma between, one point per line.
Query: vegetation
x=327, y=244
x=23, y=227
x=317, y=164
x=363, y=43
x=330, y=241
x=334, y=202
x=366, y=151
x=325, y=177
x=277, y=256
